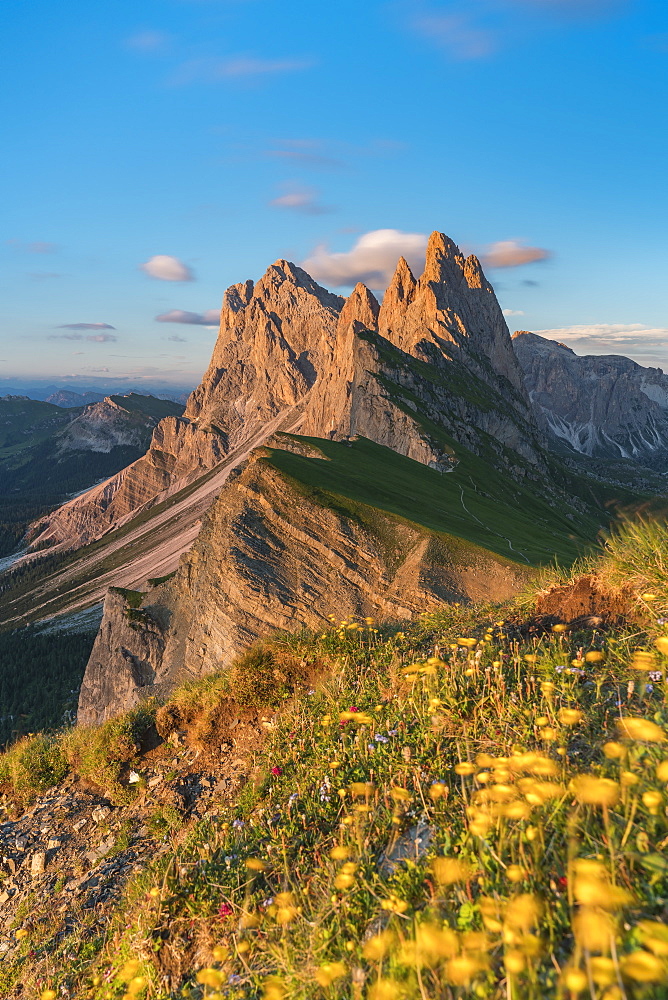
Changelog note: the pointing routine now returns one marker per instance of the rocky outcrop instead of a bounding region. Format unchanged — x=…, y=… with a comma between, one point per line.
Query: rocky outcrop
x=432, y=364
x=605, y=406
x=125, y=658
x=113, y=423
x=271, y=558
x=179, y=453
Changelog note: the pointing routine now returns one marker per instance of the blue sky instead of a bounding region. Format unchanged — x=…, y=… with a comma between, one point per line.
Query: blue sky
x=153, y=154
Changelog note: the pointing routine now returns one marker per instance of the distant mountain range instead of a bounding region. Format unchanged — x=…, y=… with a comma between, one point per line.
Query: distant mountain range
x=48, y=452
x=76, y=391
x=600, y=406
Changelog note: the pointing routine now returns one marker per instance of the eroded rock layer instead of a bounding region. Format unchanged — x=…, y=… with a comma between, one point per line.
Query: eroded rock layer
x=270, y=558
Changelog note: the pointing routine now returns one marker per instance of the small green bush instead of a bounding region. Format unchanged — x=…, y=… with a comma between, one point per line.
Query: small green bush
x=102, y=753
x=264, y=676
x=32, y=765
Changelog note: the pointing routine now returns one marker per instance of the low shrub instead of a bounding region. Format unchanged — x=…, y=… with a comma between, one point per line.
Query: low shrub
x=101, y=754
x=266, y=675
x=32, y=765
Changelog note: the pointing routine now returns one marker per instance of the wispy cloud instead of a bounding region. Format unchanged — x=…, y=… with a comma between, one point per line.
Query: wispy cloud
x=457, y=34
x=76, y=334
x=322, y=154
x=212, y=70
x=148, y=41
x=513, y=312
x=373, y=259
x=465, y=29
x=177, y=340
x=44, y=275
x=511, y=253
x=38, y=246
x=306, y=153
x=209, y=318
x=166, y=268
x=300, y=199
x=85, y=326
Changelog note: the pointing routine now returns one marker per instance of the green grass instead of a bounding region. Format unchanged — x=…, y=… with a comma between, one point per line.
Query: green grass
x=474, y=502
x=27, y=422
x=150, y=406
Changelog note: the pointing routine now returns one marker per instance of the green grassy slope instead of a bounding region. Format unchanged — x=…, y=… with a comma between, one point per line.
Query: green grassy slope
x=149, y=405
x=474, y=502
x=26, y=422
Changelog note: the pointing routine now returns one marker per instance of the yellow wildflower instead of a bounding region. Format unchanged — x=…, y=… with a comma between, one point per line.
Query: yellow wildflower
x=570, y=716
x=394, y=904
x=329, y=971
x=641, y=729
x=378, y=946
x=642, y=967
x=273, y=989
x=339, y=853
x=594, y=791
x=211, y=977
x=449, y=870
x=643, y=660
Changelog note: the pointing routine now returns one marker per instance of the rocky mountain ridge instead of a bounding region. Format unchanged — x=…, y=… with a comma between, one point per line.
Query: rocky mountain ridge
x=429, y=377
x=288, y=348
x=604, y=406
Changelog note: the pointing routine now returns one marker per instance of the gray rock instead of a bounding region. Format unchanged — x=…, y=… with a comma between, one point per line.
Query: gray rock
x=38, y=863
x=604, y=406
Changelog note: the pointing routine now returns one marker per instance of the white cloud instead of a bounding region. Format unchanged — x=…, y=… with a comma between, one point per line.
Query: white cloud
x=167, y=268
x=645, y=344
x=300, y=199
x=513, y=312
x=457, y=34
x=372, y=260
x=209, y=318
x=511, y=253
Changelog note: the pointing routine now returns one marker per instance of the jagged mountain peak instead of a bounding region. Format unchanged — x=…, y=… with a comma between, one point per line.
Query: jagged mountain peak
x=361, y=306
x=443, y=261
x=285, y=272
x=403, y=284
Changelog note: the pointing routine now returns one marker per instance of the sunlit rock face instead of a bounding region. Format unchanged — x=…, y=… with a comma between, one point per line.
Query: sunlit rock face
x=431, y=365
x=605, y=407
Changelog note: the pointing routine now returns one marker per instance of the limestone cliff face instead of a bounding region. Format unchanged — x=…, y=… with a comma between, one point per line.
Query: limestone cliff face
x=433, y=363
x=179, y=453
x=604, y=407
x=123, y=663
x=270, y=558
x=276, y=339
